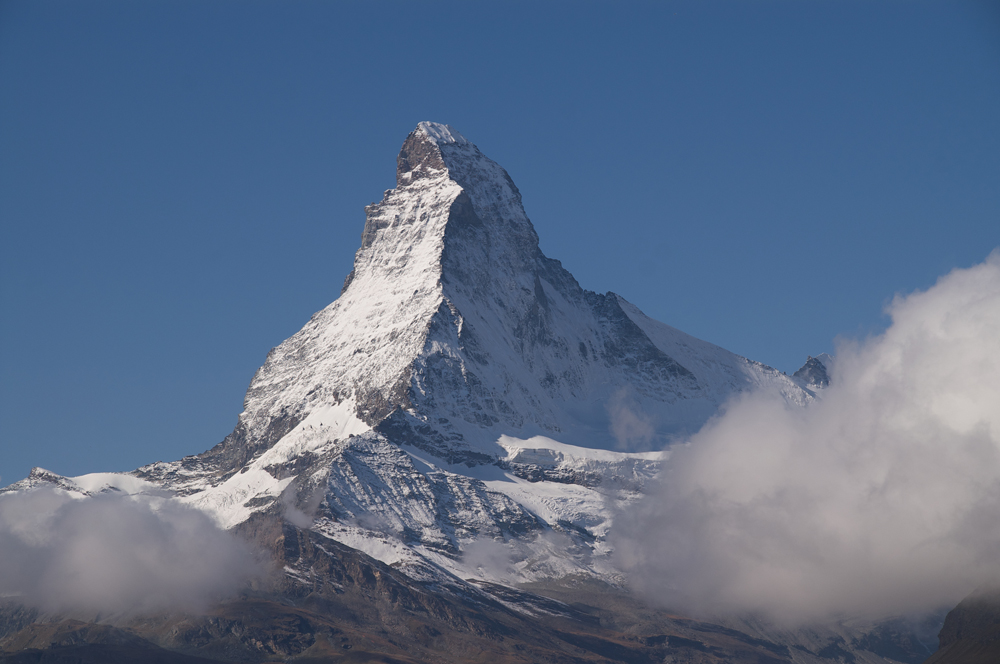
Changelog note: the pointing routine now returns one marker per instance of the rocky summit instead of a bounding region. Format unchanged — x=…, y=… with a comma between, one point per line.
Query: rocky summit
x=432, y=464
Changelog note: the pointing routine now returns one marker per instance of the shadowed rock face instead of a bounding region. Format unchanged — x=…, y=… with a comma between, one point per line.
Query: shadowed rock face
x=971, y=631
x=78, y=642
x=419, y=157
x=813, y=373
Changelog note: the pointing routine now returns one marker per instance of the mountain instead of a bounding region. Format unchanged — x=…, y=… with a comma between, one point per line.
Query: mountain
x=443, y=448
x=971, y=631
x=455, y=358
x=814, y=375
x=463, y=388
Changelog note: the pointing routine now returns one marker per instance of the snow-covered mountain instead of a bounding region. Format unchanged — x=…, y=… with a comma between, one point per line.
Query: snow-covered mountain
x=469, y=417
x=463, y=393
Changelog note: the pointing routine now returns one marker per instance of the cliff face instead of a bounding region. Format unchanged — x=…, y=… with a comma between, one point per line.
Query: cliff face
x=971, y=631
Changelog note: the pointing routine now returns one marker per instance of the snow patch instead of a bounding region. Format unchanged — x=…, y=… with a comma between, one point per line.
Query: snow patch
x=442, y=133
x=229, y=503
x=127, y=484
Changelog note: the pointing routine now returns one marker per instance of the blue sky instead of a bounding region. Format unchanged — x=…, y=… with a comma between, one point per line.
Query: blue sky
x=182, y=183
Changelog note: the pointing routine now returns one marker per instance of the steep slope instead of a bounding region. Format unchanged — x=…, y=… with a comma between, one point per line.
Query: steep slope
x=971, y=631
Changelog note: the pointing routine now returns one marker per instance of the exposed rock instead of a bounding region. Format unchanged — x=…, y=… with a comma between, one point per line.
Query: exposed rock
x=971, y=631
x=814, y=374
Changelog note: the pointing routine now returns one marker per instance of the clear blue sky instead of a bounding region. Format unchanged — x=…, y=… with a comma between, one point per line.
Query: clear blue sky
x=182, y=183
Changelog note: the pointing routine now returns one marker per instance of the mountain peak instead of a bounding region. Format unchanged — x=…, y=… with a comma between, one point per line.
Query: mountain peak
x=421, y=155
x=441, y=134
x=815, y=373
x=451, y=195
x=454, y=329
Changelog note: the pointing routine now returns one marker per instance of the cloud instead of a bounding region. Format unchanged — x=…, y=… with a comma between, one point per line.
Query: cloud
x=881, y=497
x=492, y=559
x=113, y=554
x=632, y=429
x=301, y=516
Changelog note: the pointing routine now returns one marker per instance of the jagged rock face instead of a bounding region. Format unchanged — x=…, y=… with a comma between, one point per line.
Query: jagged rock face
x=814, y=374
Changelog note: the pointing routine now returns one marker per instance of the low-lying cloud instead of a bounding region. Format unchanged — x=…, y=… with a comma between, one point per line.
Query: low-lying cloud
x=881, y=497
x=112, y=554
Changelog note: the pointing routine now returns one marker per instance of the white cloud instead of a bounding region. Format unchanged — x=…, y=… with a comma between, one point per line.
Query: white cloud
x=882, y=497
x=115, y=554
x=632, y=429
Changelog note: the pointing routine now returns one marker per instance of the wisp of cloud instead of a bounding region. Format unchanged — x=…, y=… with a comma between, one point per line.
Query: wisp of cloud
x=112, y=554
x=631, y=428
x=881, y=497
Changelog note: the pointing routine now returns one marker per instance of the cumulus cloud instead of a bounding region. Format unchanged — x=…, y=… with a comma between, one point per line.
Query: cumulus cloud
x=881, y=497
x=113, y=554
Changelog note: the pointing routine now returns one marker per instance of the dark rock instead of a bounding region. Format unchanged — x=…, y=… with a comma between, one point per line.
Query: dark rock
x=813, y=372
x=971, y=631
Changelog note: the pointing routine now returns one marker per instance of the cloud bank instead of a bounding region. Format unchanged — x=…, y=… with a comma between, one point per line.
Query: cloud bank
x=881, y=497
x=113, y=554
